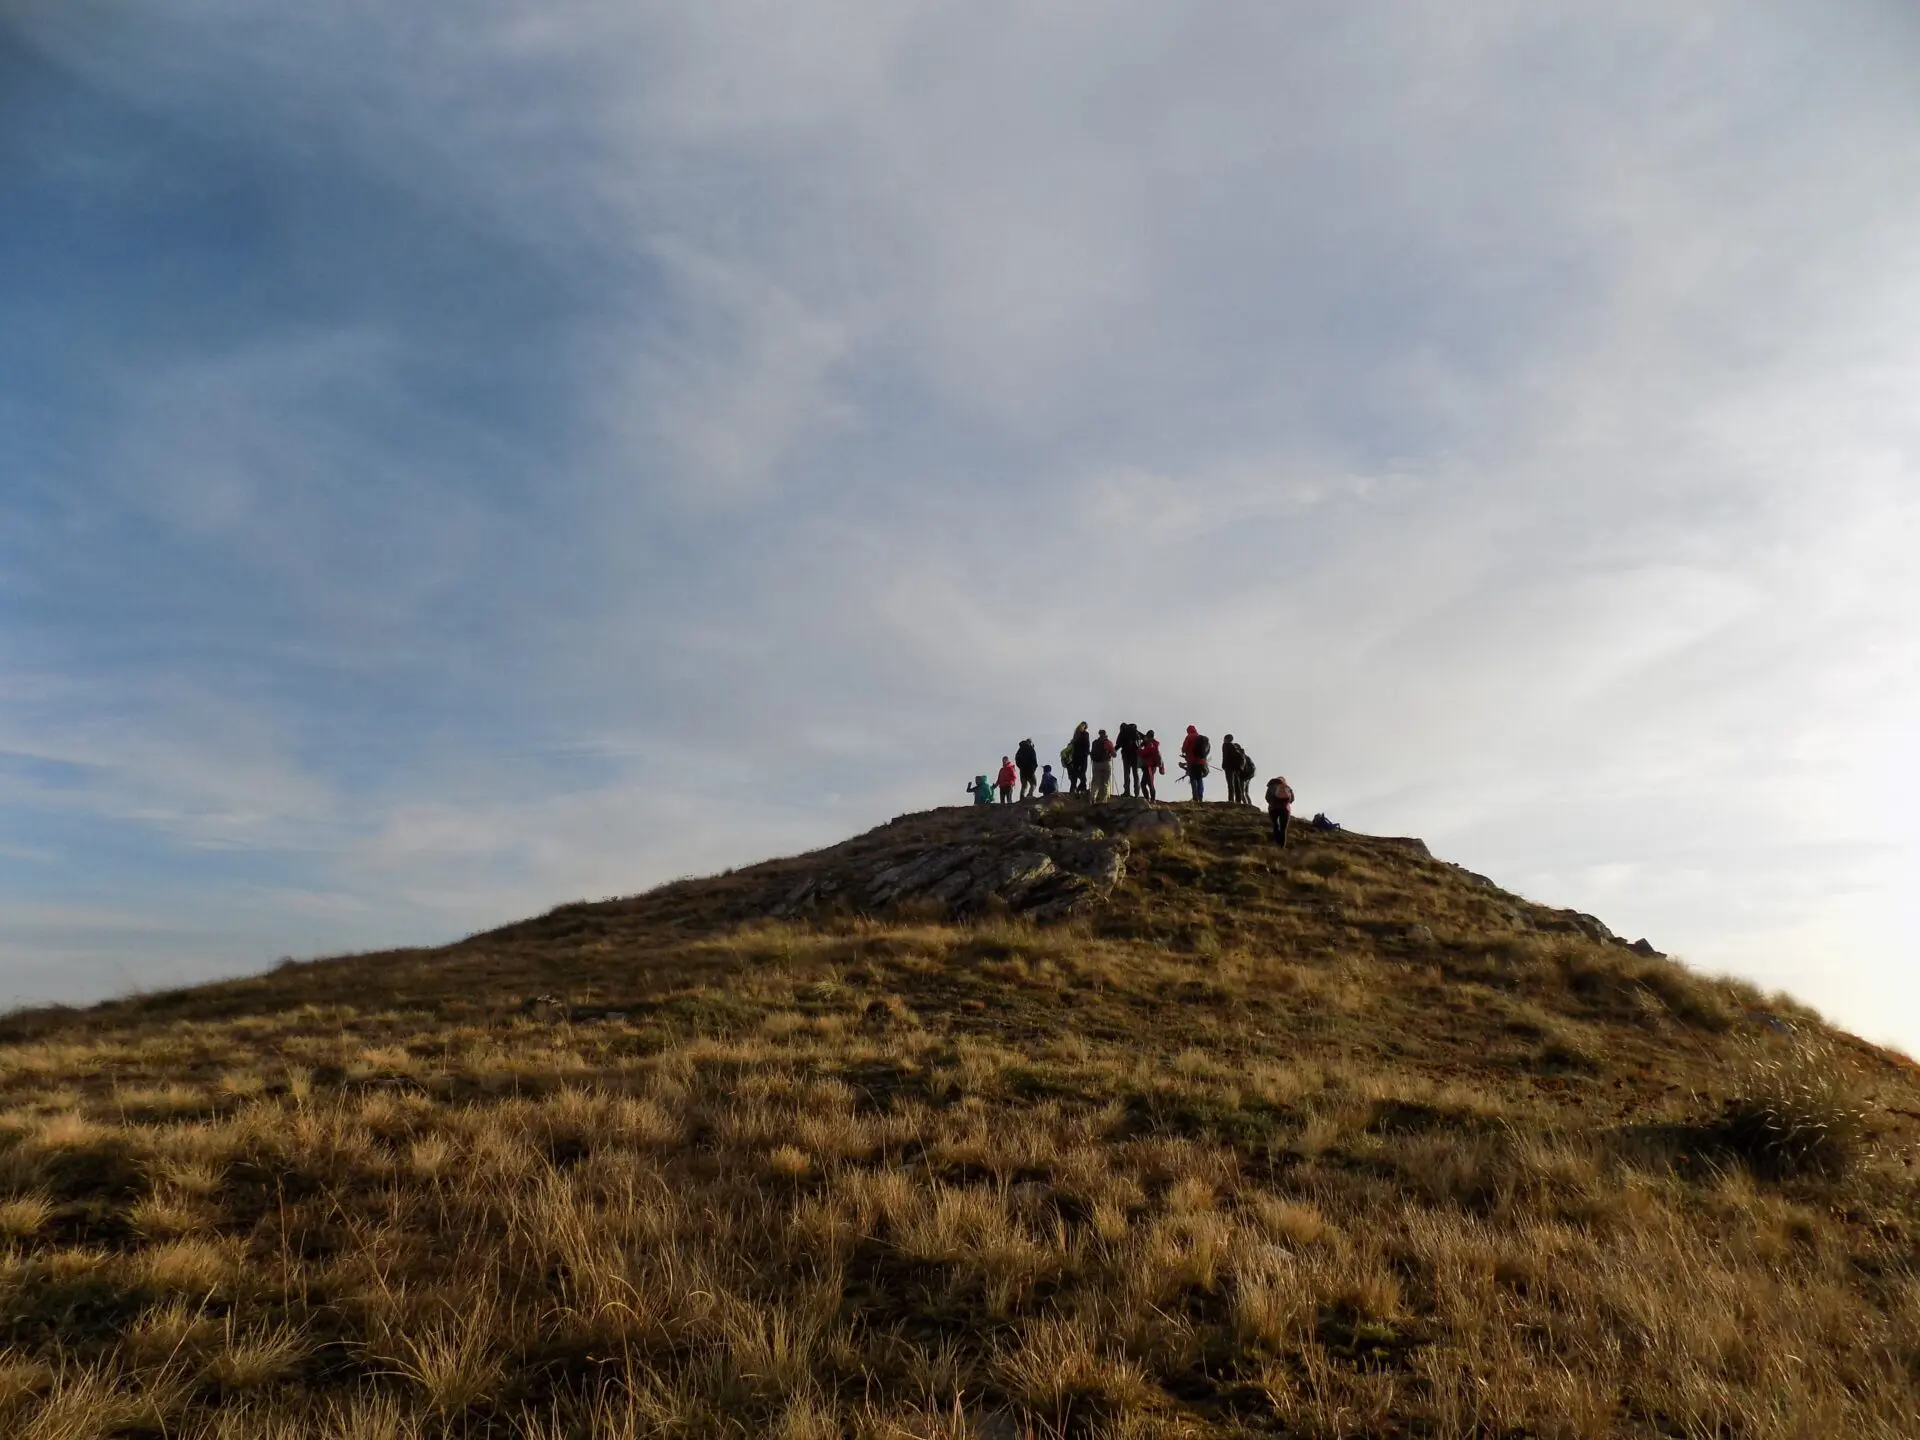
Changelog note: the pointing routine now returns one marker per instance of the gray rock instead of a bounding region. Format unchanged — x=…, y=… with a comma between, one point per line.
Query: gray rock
x=797, y=898
x=1644, y=946
x=1021, y=871
x=918, y=874
x=1586, y=925
x=1043, y=860
x=1102, y=862
x=1066, y=899
x=951, y=887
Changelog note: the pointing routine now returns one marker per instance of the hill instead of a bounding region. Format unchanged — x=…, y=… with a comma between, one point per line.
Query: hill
x=1046, y=1120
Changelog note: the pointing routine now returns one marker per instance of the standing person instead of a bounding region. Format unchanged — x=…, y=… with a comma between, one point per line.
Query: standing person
x=1028, y=759
x=1279, y=807
x=1102, y=754
x=1081, y=746
x=1247, y=771
x=981, y=791
x=1150, y=762
x=1230, y=757
x=1049, y=782
x=1127, y=740
x=1006, y=778
x=1194, y=751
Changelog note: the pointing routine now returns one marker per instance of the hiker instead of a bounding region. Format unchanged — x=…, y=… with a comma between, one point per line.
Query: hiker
x=1028, y=759
x=1127, y=741
x=1102, y=753
x=1194, y=751
x=1076, y=754
x=1230, y=757
x=1150, y=762
x=1005, y=779
x=981, y=791
x=1279, y=807
x=1247, y=771
x=1049, y=782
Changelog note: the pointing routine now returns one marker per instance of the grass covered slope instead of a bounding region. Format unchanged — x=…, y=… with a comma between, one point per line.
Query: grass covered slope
x=1336, y=1141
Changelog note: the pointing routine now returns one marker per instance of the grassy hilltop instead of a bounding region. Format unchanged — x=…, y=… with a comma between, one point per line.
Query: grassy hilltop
x=1046, y=1121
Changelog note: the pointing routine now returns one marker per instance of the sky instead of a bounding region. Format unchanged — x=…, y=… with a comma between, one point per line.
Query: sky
x=457, y=460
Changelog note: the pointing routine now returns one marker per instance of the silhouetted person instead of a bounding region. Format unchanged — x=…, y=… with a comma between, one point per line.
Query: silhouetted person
x=1078, y=750
x=1279, y=807
x=1230, y=757
x=981, y=790
x=1049, y=782
x=1247, y=771
x=1005, y=780
x=1102, y=755
x=1194, y=751
x=1028, y=761
x=1127, y=741
x=1150, y=765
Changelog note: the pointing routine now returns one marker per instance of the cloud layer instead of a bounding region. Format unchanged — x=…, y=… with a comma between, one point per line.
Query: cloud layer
x=461, y=463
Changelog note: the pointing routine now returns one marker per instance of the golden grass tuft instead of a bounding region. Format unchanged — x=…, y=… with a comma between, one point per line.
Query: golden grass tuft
x=1794, y=1111
x=23, y=1216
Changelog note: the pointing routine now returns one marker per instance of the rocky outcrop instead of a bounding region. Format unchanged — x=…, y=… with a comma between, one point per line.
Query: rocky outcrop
x=1043, y=859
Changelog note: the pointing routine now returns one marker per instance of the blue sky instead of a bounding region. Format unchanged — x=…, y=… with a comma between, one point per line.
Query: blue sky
x=459, y=461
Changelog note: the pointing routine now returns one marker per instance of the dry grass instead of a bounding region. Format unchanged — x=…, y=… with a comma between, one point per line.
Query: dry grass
x=1242, y=1154
x=1794, y=1111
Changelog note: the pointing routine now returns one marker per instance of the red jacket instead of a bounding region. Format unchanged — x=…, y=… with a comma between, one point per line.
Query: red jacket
x=1007, y=775
x=1190, y=746
x=1150, y=760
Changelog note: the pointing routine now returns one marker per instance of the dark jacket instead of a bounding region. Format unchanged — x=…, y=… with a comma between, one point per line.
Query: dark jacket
x=1026, y=758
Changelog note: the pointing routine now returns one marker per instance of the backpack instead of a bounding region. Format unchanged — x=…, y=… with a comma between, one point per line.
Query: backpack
x=1247, y=768
x=1202, y=748
x=1066, y=753
x=1127, y=737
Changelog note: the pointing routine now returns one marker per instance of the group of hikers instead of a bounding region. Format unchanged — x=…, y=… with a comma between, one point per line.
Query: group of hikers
x=1088, y=760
